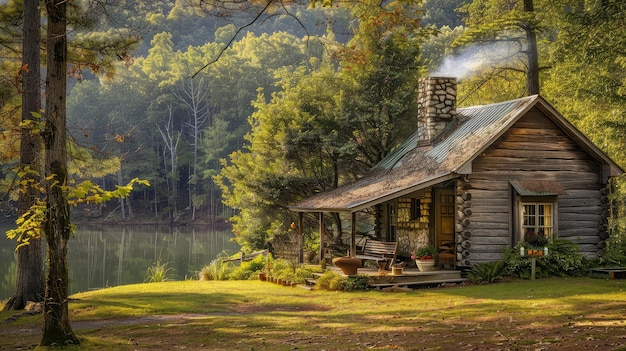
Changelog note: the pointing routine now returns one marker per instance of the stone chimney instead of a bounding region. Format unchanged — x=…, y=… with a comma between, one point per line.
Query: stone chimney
x=436, y=106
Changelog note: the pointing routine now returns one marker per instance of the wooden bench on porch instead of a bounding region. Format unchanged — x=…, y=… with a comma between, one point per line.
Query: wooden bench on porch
x=383, y=252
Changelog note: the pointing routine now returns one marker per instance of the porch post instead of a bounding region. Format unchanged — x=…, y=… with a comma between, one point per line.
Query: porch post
x=301, y=237
x=353, y=241
x=322, y=248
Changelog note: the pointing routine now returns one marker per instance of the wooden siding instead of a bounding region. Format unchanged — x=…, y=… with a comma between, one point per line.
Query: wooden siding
x=534, y=148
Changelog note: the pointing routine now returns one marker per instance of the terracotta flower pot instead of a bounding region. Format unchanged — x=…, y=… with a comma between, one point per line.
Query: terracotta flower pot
x=348, y=265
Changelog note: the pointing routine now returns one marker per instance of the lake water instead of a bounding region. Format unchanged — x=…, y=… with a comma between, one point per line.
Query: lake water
x=110, y=255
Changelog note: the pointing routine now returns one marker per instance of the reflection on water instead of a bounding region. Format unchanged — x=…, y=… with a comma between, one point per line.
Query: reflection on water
x=109, y=255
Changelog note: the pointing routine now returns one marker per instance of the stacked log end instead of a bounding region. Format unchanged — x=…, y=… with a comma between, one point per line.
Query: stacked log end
x=463, y=221
x=604, y=226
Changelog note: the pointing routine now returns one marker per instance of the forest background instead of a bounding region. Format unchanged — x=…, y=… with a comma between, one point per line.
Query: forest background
x=305, y=98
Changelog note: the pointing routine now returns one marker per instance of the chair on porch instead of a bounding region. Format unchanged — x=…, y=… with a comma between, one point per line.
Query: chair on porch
x=447, y=257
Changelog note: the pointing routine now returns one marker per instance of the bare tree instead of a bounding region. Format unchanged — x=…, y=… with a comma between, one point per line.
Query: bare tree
x=194, y=94
x=171, y=146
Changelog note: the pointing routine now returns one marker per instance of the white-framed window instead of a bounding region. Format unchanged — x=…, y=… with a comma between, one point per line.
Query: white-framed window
x=537, y=219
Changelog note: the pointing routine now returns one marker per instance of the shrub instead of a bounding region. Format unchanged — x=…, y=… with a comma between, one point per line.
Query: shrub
x=302, y=273
x=217, y=269
x=488, y=272
x=335, y=282
x=359, y=282
x=328, y=281
x=248, y=269
x=516, y=264
x=282, y=269
x=563, y=259
x=291, y=271
x=615, y=253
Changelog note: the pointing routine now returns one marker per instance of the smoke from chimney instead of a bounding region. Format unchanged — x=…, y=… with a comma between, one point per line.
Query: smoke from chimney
x=473, y=58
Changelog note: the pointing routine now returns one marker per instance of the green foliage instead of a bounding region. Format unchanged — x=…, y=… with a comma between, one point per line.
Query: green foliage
x=442, y=12
x=30, y=222
x=614, y=256
x=335, y=282
x=329, y=281
x=488, y=272
x=359, y=282
x=91, y=193
x=517, y=264
x=159, y=272
x=283, y=269
x=536, y=240
x=563, y=260
x=327, y=125
x=615, y=252
x=29, y=225
x=290, y=271
x=217, y=269
x=425, y=251
x=249, y=269
x=301, y=273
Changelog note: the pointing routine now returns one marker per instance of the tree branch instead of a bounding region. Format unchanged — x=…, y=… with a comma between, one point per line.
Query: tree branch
x=256, y=18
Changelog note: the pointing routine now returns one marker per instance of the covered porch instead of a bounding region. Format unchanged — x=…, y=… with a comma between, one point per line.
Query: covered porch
x=431, y=214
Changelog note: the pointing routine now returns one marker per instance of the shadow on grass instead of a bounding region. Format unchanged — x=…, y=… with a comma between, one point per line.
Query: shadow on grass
x=540, y=288
x=521, y=315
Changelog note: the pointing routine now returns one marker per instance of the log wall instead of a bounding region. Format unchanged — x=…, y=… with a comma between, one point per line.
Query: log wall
x=533, y=149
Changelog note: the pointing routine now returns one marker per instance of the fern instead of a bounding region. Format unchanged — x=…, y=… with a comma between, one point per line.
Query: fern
x=487, y=272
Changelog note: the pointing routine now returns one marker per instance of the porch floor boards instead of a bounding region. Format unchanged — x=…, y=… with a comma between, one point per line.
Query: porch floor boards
x=410, y=278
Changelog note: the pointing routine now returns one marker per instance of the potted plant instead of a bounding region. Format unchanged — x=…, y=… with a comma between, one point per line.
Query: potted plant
x=425, y=258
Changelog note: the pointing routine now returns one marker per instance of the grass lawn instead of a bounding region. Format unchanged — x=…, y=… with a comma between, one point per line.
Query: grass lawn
x=546, y=314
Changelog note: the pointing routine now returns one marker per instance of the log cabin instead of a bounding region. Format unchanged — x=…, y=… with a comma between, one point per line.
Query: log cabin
x=474, y=181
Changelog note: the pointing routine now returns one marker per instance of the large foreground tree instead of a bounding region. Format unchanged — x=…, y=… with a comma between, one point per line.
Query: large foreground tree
x=29, y=284
x=57, y=226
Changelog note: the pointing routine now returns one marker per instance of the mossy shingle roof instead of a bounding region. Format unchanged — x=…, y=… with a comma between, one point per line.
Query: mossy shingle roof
x=415, y=165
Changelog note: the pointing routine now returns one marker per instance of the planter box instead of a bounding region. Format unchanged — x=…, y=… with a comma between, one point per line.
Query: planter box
x=609, y=273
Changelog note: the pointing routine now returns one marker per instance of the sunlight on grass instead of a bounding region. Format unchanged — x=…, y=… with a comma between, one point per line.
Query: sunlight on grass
x=231, y=315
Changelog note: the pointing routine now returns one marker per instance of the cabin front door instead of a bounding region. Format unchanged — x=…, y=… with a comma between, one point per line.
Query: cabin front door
x=444, y=227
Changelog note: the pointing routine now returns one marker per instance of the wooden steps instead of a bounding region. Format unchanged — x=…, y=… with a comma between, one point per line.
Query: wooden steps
x=409, y=284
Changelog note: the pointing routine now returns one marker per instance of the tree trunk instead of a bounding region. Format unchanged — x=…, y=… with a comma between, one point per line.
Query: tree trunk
x=29, y=284
x=532, y=77
x=57, y=227
x=122, y=202
x=171, y=145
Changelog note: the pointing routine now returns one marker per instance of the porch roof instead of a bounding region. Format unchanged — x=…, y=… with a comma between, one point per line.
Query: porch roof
x=537, y=187
x=413, y=165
